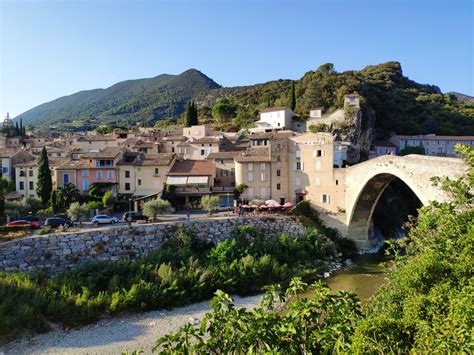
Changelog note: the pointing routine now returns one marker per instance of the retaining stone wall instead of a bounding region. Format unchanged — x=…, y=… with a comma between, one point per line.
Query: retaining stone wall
x=56, y=252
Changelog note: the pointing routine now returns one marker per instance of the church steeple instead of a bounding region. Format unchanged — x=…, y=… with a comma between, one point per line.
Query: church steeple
x=7, y=122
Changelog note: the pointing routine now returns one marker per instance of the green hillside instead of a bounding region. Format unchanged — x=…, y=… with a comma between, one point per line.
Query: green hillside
x=132, y=100
x=400, y=104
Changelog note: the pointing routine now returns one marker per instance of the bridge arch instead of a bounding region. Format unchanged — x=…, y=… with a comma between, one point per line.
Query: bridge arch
x=366, y=182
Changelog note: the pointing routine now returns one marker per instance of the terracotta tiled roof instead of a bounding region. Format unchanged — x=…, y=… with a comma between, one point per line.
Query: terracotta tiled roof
x=255, y=154
x=108, y=152
x=9, y=152
x=275, y=108
x=271, y=135
x=53, y=162
x=95, y=138
x=384, y=144
x=209, y=139
x=151, y=159
x=192, y=168
x=436, y=138
x=225, y=155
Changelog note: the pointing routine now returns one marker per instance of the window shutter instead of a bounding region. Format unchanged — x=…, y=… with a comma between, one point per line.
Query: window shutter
x=322, y=152
x=302, y=166
x=294, y=166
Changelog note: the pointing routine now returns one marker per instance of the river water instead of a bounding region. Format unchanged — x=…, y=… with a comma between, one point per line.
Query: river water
x=363, y=278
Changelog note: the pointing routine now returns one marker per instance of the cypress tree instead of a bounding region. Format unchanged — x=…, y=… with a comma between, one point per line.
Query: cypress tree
x=44, y=186
x=194, y=116
x=21, y=127
x=17, y=130
x=188, y=122
x=54, y=201
x=293, y=96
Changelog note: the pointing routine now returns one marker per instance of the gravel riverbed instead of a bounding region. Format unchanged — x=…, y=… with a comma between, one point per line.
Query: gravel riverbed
x=115, y=335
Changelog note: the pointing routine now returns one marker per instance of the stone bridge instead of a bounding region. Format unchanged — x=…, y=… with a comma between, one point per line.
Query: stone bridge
x=365, y=183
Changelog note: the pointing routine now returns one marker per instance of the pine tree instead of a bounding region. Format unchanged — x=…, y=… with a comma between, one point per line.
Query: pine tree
x=293, y=96
x=44, y=186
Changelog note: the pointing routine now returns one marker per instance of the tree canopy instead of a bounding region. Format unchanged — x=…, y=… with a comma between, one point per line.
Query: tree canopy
x=44, y=185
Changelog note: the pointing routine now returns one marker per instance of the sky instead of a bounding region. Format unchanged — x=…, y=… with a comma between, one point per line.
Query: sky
x=50, y=49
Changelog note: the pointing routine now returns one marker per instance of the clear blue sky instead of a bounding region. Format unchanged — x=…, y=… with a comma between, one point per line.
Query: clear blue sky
x=55, y=48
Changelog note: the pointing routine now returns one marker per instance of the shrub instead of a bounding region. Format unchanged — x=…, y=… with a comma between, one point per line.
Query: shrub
x=156, y=207
x=210, y=202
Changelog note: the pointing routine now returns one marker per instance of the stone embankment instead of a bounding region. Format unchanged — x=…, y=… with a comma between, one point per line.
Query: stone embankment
x=56, y=252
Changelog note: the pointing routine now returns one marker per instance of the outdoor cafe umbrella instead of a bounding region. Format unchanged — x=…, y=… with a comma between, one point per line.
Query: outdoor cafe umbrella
x=288, y=204
x=245, y=206
x=272, y=203
x=264, y=206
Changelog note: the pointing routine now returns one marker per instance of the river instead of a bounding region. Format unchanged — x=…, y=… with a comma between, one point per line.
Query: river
x=364, y=277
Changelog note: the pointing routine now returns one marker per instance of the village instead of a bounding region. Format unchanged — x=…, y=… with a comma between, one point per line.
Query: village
x=277, y=161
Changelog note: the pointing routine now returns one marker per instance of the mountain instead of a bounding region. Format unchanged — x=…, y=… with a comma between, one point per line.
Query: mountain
x=132, y=100
x=462, y=97
x=391, y=102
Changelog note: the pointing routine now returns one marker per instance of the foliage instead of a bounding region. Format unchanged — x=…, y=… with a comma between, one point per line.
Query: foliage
x=186, y=269
x=309, y=217
x=76, y=212
x=108, y=198
x=239, y=190
x=125, y=103
x=23, y=207
x=426, y=305
x=413, y=150
x=320, y=127
x=156, y=207
x=104, y=129
x=94, y=205
x=68, y=194
x=222, y=111
x=292, y=103
x=44, y=185
x=191, y=114
x=210, y=202
x=54, y=201
x=322, y=323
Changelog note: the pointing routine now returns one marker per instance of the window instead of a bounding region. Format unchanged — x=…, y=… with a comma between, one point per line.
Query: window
x=278, y=158
x=172, y=150
x=104, y=163
x=325, y=198
x=298, y=181
x=203, y=152
x=250, y=168
x=5, y=170
x=22, y=185
x=99, y=175
x=278, y=186
x=232, y=171
x=110, y=174
x=32, y=185
x=262, y=166
x=127, y=174
x=30, y=172
x=22, y=173
x=263, y=192
x=250, y=176
x=65, y=179
x=319, y=153
x=318, y=166
x=85, y=185
x=318, y=181
x=262, y=176
x=278, y=172
x=250, y=190
x=157, y=172
x=139, y=182
x=337, y=182
x=127, y=186
x=85, y=172
x=298, y=153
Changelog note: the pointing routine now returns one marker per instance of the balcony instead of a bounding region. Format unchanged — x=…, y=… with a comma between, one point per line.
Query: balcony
x=181, y=190
x=222, y=189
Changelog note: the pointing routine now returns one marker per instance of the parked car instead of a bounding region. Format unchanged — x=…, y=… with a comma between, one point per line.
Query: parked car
x=103, y=219
x=55, y=222
x=134, y=216
x=22, y=222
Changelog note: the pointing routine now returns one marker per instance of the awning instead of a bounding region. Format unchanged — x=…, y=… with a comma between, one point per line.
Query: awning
x=145, y=192
x=176, y=180
x=198, y=179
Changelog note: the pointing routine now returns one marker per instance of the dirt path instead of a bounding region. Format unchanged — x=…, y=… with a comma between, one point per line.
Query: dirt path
x=113, y=336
